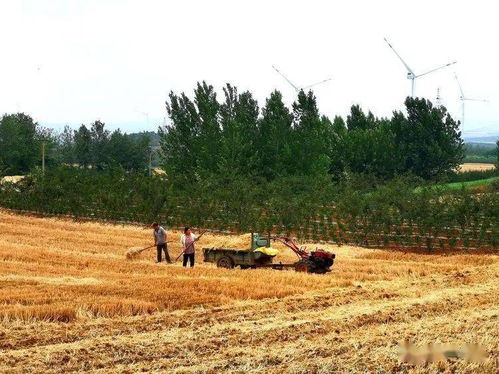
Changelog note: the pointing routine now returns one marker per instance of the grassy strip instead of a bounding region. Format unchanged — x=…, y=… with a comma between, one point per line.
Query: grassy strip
x=460, y=185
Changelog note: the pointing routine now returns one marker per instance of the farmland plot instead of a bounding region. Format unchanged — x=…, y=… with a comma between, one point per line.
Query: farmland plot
x=468, y=166
x=71, y=302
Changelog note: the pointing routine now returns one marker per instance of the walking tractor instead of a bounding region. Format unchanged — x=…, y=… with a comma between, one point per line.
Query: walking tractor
x=260, y=255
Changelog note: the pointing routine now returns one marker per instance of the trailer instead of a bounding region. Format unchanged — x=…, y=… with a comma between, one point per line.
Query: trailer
x=318, y=261
x=230, y=258
x=244, y=258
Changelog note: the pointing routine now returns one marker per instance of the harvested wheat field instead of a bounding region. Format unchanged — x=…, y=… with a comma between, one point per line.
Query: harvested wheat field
x=71, y=302
x=469, y=166
x=12, y=179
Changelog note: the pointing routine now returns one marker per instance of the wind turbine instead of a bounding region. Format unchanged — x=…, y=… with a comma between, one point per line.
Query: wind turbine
x=464, y=99
x=410, y=73
x=298, y=89
x=438, y=100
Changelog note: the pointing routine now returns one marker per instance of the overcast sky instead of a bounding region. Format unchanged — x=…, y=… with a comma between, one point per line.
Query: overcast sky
x=74, y=61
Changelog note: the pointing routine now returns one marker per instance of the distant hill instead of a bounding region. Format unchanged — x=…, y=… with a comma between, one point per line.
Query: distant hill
x=482, y=139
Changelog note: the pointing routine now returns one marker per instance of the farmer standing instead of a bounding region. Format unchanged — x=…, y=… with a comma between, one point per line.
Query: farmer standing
x=188, y=241
x=159, y=234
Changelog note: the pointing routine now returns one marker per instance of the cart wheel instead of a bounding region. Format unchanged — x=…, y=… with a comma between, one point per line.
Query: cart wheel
x=225, y=262
x=304, y=266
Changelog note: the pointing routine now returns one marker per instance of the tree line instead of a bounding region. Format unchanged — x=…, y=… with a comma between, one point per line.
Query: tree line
x=234, y=136
x=476, y=152
x=22, y=139
x=100, y=148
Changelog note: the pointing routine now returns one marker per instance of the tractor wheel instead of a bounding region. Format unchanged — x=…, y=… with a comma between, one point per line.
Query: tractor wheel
x=304, y=266
x=225, y=262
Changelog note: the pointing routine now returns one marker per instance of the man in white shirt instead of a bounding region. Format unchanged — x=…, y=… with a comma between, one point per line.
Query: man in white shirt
x=188, y=240
x=159, y=235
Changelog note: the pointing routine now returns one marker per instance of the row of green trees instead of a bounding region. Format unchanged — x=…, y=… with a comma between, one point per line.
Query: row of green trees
x=234, y=136
x=352, y=211
x=101, y=148
x=488, y=153
x=22, y=140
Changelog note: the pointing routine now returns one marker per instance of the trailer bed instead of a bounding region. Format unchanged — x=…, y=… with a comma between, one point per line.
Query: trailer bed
x=229, y=258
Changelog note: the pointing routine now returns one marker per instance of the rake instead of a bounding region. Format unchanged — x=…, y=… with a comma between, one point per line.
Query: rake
x=134, y=252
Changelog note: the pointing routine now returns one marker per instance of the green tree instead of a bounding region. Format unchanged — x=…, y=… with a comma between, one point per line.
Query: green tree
x=66, y=146
x=83, y=146
x=20, y=143
x=310, y=136
x=429, y=138
x=337, y=148
x=238, y=116
x=274, y=139
x=130, y=153
x=357, y=120
x=100, y=138
x=209, y=142
x=372, y=151
x=191, y=145
x=179, y=141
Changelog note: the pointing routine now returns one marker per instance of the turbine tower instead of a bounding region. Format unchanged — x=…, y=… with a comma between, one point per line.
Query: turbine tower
x=439, y=98
x=463, y=99
x=410, y=73
x=298, y=89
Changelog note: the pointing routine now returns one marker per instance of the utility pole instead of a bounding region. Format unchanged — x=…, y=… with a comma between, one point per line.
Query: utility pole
x=43, y=158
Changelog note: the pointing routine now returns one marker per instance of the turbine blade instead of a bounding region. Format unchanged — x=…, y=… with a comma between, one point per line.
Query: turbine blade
x=400, y=58
x=287, y=80
x=471, y=99
x=440, y=67
x=459, y=84
x=316, y=83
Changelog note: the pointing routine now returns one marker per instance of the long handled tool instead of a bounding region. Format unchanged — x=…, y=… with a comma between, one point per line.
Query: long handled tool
x=135, y=251
x=190, y=245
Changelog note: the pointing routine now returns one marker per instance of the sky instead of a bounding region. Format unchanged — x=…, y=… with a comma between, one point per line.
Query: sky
x=68, y=62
